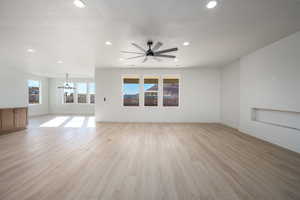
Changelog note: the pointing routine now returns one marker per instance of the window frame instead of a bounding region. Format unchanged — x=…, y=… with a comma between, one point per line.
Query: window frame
x=40, y=92
x=179, y=90
x=75, y=95
x=87, y=82
x=158, y=90
x=133, y=76
x=87, y=92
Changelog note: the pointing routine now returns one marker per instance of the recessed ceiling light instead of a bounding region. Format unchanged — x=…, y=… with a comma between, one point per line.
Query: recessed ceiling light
x=31, y=50
x=211, y=4
x=121, y=59
x=60, y=62
x=108, y=43
x=79, y=4
x=186, y=44
x=176, y=59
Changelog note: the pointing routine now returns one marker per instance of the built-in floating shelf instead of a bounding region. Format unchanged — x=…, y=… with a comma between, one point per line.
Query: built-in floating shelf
x=281, y=118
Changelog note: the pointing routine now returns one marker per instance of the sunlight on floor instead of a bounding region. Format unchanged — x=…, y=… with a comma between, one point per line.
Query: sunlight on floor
x=76, y=122
x=70, y=122
x=91, y=122
x=56, y=122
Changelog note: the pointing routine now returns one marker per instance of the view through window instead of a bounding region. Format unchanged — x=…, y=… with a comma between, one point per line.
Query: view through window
x=34, y=91
x=151, y=92
x=69, y=94
x=131, y=89
x=92, y=92
x=171, y=92
x=81, y=92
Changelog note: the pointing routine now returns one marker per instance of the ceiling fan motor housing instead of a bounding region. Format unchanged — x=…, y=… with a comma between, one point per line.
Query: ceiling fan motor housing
x=155, y=52
x=149, y=51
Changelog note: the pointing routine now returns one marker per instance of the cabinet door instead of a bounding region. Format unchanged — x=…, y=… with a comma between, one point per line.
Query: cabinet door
x=20, y=118
x=7, y=116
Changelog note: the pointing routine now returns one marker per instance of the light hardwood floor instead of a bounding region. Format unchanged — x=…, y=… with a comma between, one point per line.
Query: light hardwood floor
x=140, y=161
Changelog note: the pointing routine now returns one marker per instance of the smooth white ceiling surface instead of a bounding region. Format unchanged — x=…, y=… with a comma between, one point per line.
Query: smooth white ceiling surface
x=60, y=31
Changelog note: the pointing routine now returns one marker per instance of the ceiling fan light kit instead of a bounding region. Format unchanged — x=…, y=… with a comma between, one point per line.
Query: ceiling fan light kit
x=151, y=52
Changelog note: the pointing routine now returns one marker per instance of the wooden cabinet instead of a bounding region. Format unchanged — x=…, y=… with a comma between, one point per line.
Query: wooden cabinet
x=7, y=119
x=13, y=119
x=20, y=119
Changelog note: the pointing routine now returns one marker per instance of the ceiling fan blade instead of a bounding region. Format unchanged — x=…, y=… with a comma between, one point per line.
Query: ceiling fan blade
x=157, y=46
x=165, y=56
x=157, y=59
x=166, y=51
x=140, y=48
x=134, y=57
x=146, y=58
x=132, y=52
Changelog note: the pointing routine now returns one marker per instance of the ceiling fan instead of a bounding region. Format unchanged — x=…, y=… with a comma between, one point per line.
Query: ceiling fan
x=151, y=52
x=67, y=84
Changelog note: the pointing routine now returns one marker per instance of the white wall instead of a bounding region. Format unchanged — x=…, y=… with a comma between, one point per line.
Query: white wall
x=12, y=88
x=13, y=83
x=56, y=105
x=230, y=95
x=199, y=102
x=14, y=91
x=270, y=78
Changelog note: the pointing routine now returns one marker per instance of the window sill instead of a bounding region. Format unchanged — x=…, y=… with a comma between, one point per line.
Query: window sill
x=34, y=104
x=83, y=104
x=152, y=107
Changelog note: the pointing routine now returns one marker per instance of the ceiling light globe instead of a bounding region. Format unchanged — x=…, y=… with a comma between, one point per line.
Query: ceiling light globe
x=108, y=43
x=186, y=44
x=30, y=50
x=211, y=4
x=79, y=4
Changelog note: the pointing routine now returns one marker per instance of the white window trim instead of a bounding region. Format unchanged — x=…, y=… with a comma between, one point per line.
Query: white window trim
x=159, y=92
x=179, y=92
x=40, y=93
x=87, y=92
x=141, y=102
x=149, y=76
x=63, y=94
x=88, y=102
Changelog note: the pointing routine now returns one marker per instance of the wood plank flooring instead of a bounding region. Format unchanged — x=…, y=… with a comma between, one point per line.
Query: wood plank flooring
x=145, y=161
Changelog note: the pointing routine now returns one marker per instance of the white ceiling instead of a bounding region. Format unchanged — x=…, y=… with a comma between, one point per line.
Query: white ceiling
x=60, y=31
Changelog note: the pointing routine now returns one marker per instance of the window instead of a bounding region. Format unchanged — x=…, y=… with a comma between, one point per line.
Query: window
x=69, y=94
x=171, y=92
x=81, y=92
x=92, y=92
x=131, y=90
x=34, y=91
x=151, y=92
